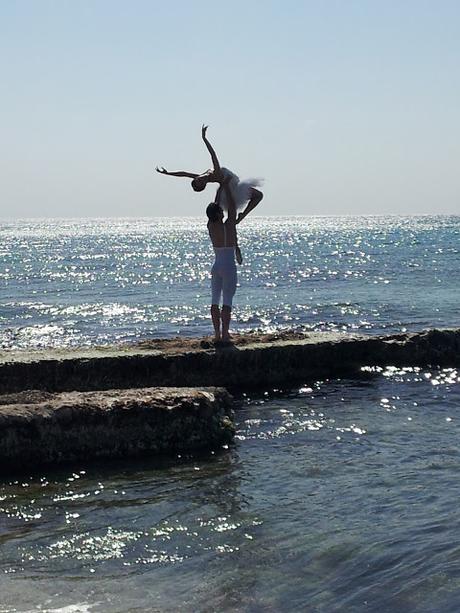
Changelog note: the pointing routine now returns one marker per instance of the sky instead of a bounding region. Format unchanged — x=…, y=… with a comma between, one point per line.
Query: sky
x=343, y=107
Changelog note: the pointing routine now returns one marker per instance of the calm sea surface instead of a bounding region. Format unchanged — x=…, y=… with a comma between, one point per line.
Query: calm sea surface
x=340, y=495
x=81, y=282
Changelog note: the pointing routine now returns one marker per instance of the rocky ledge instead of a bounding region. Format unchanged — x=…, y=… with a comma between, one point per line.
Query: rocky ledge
x=252, y=361
x=39, y=428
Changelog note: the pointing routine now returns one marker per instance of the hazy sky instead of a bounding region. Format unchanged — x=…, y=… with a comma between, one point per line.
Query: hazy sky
x=344, y=107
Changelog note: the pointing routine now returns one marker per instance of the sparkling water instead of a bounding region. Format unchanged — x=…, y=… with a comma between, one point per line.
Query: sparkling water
x=337, y=496
x=86, y=282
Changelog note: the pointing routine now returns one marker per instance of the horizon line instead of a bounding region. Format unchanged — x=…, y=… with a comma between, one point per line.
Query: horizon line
x=178, y=217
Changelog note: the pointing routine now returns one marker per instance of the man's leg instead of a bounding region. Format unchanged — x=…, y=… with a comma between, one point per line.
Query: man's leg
x=215, y=316
x=226, y=316
x=216, y=291
x=228, y=291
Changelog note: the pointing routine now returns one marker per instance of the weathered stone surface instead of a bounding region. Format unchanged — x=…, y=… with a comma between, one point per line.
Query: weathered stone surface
x=253, y=361
x=41, y=428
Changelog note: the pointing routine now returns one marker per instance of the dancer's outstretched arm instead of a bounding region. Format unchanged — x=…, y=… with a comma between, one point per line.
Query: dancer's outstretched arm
x=179, y=173
x=215, y=161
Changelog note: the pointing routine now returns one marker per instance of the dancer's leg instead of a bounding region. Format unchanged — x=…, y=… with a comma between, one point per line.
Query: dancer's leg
x=255, y=197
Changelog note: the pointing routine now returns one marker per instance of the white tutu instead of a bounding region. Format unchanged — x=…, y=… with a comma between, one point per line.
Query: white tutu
x=241, y=190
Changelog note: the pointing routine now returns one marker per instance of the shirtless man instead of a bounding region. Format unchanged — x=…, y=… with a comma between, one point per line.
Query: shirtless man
x=223, y=281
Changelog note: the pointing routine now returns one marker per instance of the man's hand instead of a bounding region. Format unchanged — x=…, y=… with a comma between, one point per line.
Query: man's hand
x=239, y=257
x=203, y=131
x=162, y=170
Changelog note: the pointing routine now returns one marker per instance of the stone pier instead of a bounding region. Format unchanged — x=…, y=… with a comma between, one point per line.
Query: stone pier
x=253, y=361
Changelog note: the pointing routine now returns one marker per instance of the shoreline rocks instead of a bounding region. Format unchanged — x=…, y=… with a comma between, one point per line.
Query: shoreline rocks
x=38, y=428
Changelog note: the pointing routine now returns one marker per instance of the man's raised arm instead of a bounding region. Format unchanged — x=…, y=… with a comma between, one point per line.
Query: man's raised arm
x=231, y=216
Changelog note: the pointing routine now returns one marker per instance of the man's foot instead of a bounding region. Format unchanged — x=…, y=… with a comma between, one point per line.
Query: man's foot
x=226, y=316
x=223, y=343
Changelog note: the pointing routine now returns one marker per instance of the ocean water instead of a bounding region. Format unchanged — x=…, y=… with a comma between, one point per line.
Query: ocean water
x=338, y=495
x=86, y=282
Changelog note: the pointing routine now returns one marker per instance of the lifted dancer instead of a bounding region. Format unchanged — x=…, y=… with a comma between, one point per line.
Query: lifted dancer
x=242, y=191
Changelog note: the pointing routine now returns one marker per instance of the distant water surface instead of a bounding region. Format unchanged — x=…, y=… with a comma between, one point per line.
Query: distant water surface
x=85, y=282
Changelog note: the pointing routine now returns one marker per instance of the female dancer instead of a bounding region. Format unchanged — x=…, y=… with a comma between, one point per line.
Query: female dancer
x=242, y=191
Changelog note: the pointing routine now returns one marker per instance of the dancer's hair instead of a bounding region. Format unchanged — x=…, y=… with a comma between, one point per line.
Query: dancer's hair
x=199, y=183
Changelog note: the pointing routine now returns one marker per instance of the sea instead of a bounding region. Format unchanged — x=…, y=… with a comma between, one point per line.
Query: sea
x=339, y=495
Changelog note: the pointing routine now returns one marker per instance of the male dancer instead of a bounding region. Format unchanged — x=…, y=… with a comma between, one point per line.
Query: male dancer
x=223, y=273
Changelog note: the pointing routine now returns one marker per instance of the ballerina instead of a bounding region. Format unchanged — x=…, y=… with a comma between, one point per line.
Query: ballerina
x=241, y=191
